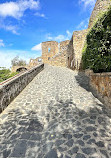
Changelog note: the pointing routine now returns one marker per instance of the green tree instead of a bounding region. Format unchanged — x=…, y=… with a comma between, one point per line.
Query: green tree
x=5, y=74
x=18, y=62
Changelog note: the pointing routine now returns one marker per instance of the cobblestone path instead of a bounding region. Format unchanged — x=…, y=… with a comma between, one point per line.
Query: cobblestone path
x=56, y=116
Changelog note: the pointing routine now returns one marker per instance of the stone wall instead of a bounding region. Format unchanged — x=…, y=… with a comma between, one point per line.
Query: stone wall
x=60, y=59
x=35, y=62
x=49, y=49
x=79, y=38
x=10, y=89
x=70, y=54
x=101, y=86
x=100, y=7
x=32, y=63
x=67, y=53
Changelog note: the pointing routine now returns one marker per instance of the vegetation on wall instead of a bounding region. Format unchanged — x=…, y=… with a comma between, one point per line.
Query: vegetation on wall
x=97, y=50
x=5, y=74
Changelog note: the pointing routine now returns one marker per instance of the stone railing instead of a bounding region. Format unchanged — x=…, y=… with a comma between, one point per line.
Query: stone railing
x=101, y=86
x=10, y=88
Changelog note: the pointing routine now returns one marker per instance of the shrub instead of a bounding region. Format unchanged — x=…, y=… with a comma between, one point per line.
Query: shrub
x=97, y=50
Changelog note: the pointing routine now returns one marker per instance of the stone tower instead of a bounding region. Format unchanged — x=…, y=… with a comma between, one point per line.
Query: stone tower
x=49, y=49
x=100, y=7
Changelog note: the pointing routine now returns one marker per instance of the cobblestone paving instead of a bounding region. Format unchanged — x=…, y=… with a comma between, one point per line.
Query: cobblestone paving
x=56, y=116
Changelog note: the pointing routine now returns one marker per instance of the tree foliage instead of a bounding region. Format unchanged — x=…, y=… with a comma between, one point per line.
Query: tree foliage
x=97, y=50
x=18, y=62
x=5, y=74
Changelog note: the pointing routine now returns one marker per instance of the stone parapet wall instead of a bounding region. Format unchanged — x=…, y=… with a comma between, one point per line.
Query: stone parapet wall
x=101, y=86
x=10, y=89
x=100, y=7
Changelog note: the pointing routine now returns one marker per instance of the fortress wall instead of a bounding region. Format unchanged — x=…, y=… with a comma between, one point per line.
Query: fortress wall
x=100, y=7
x=70, y=54
x=58, y=53
x=49, y=49
x=79, y=38
x=60, y=59
x=35, y=62
x=10, y=88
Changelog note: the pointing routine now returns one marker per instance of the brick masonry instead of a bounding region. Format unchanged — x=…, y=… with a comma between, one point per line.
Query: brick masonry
x=10, y=89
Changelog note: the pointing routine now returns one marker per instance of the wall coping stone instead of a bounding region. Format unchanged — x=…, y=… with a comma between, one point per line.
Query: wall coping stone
x=100, y=74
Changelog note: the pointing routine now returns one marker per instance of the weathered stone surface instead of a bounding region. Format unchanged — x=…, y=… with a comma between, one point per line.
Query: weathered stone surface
x=47, y=119
x=86, y=137
x=101, y=87
x=70, y=143
x=100, y=7
x=100, y=144
x=10, y=89
x=79, y=155
x=51, y=154
x=19, y=149
x=73, y=150
x=88, y=150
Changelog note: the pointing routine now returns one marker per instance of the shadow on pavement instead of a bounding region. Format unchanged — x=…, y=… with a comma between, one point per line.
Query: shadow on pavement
x=70, y=132
x=83, y=80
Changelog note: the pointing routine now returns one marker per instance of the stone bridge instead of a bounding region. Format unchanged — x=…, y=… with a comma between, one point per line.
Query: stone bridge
x=56, y=116
x=20, y=68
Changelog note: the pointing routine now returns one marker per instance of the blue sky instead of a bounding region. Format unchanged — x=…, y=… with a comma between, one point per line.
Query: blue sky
x=24, y=24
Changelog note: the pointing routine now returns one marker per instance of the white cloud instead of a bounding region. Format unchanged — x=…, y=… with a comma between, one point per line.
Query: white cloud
x=10, y=28
x=69, y=33
x=37, y=47
x=40, y=15
x=59, y=38
x=2, y=43
x=7, y=55
x=17, y=9
x=88, y=3
x=83, y=24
